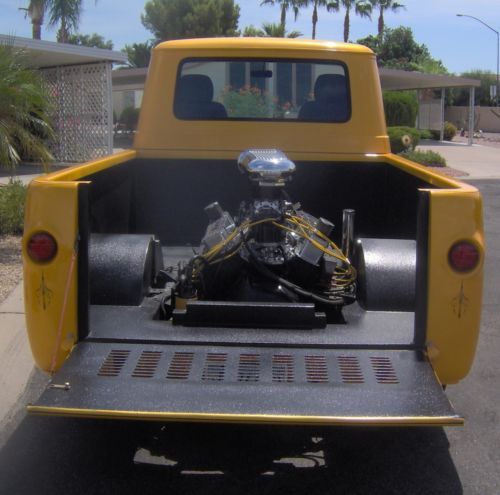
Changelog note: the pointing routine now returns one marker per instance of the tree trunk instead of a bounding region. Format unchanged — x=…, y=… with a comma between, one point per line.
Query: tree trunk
x=283, y=16
x=381, y=24
x=315, y=20
x=36, y=30
x=63, y=33
x=346, y=26
x=36, y=13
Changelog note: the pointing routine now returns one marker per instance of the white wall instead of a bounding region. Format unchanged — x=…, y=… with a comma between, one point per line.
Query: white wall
x=487, y=119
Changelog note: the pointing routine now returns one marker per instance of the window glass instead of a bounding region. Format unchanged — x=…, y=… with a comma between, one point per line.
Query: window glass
x=210, y=89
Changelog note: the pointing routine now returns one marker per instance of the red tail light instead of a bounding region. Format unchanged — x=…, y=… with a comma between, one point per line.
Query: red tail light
x=463, y=256
x=42, y=247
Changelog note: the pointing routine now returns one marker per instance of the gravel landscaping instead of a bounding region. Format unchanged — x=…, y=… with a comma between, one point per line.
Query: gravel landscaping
x=10, y=264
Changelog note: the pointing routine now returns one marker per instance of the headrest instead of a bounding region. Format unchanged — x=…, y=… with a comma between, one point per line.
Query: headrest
x=195, y=88
x=330, y=87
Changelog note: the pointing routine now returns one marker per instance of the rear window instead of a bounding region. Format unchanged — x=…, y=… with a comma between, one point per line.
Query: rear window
x=278, y=90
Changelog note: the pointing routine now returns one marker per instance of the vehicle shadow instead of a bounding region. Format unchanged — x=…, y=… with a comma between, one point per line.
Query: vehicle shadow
x=56, y=455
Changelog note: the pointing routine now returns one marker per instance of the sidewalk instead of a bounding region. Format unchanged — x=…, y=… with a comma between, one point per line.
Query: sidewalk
x=478, y=161
x=24, y=173
x=16, y=362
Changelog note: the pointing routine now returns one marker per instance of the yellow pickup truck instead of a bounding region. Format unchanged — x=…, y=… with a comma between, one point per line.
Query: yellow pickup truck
x=259, y=256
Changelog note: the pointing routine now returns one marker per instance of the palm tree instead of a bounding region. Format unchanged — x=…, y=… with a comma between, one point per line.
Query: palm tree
x=277, y=31
x=252, y=32
x=384, y=5
x=332, y=6
x=285, y=6
x=363, y=8
x=270, y=30
x=24, y=122
x=139, y=54
x=35, y=11
x=65, y=12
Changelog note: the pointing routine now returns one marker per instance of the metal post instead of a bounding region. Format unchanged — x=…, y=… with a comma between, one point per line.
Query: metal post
x=472, y=94
x=498, y=67
x=441, y=135
x=109, y=105
x=498, y=48
x=347, y=231
x=417, y=124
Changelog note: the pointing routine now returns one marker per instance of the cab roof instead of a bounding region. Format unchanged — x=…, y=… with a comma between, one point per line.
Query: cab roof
x=261, y=43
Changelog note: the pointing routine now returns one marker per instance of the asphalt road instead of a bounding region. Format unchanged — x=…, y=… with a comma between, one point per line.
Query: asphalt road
x=59, y=456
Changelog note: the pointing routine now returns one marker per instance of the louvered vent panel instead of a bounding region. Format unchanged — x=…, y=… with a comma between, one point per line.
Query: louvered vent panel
x=316, y=369
x=283, y=368
x=384, y=370
x=147, y=364
x=215, y=367
x=114, y=362
x=180, y=366
x=249, y=368
x=350, y=369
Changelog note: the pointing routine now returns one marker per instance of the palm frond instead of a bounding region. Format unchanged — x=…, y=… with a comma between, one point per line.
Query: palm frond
x=24, y=109
x=67, y=12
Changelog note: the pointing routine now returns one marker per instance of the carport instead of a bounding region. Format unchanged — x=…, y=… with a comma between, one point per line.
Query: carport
x=133, y=80
x=399, y=80
x=79, y=86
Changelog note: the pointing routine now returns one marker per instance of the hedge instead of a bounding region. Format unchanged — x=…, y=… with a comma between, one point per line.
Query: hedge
x=400, y=108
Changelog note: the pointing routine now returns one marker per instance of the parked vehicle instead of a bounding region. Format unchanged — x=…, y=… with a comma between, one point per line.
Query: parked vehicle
x=328, y=281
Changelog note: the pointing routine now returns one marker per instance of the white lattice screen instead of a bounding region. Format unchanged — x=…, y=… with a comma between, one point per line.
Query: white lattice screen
x=82, y=111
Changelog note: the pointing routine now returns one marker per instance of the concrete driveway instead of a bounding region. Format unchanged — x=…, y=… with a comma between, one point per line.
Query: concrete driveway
x=478, y=161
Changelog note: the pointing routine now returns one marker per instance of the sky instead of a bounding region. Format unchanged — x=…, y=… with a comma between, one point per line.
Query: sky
x=461, y=43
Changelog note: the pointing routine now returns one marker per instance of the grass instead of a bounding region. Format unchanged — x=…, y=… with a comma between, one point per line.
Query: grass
x=12, y=198
x=428, y=158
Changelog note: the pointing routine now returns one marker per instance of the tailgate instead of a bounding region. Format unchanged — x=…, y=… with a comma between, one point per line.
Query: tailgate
x=247, y=385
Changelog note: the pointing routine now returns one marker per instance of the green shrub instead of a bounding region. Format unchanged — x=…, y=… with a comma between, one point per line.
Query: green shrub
x=450, y=132
x=425, y=134
x=403, y=138
x=428, y=158
x=129, y=118
x=12, y=198
x=400, y=108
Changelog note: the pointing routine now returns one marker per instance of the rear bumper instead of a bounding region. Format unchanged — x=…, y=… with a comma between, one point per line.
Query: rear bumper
x=228, y=384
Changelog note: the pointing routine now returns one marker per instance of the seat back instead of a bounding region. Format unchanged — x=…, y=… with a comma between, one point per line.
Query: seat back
x=330, y=100
x=193, y=99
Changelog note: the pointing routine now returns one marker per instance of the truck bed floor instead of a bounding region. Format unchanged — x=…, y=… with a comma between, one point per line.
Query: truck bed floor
x=363, y=329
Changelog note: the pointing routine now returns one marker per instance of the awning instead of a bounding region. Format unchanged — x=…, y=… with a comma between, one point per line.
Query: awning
x=394, y=79
x=43, y=54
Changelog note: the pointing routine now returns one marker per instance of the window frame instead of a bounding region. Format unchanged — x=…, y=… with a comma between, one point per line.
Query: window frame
x=267, y=60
